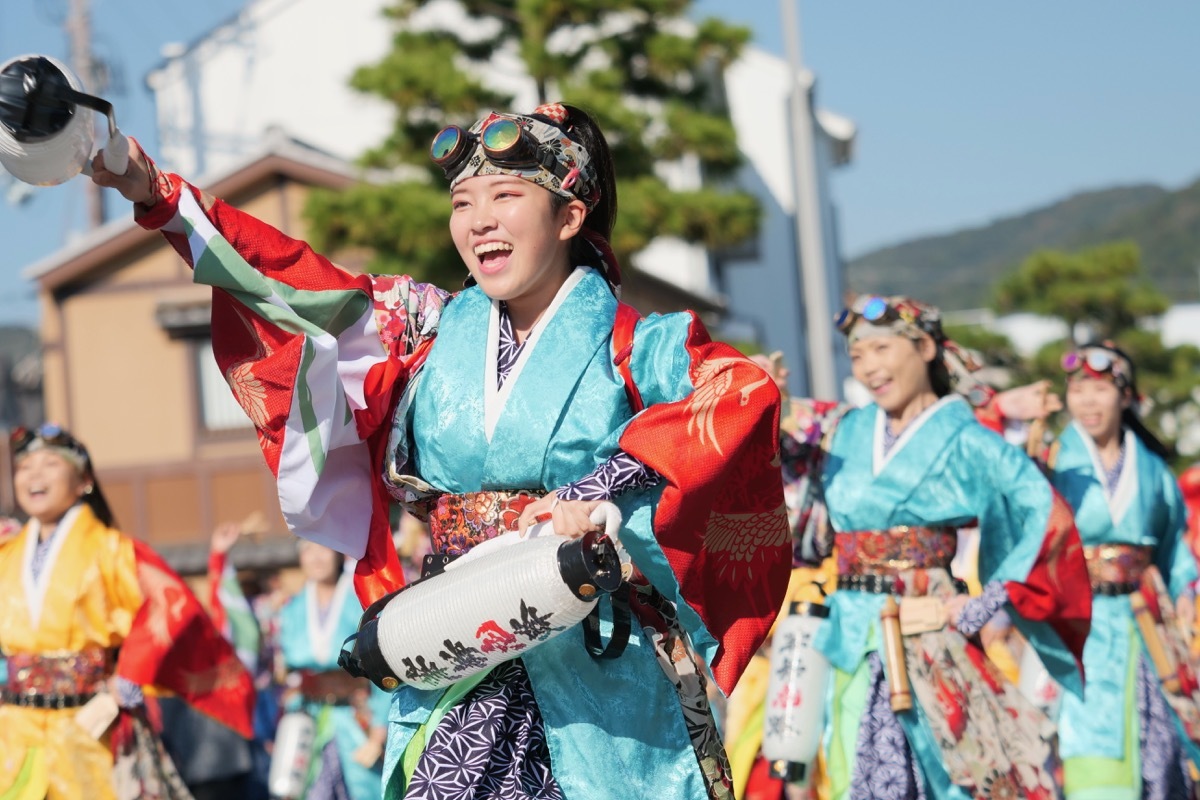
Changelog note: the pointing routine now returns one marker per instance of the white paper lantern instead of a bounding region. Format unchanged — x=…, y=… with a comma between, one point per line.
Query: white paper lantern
x=795, y=705
x=291, y=755
x=51, y=159
x=497, y=602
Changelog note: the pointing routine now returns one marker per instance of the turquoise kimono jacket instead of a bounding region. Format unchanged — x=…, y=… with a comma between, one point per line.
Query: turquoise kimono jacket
x=357, y=382
x=613, y=727
x=946, y=469
x=1146, y=508
x=310, y=643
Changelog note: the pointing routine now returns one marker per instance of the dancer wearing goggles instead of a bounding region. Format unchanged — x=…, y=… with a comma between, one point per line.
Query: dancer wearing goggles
x=1098, y=361
x=537, y=151
x=1128, y=737
x=890, y=485
x=90, y=616
x=509, y=401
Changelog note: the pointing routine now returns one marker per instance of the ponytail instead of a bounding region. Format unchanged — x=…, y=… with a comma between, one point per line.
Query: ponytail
x=98, y=503
x=592, y=246
x=1131, y=420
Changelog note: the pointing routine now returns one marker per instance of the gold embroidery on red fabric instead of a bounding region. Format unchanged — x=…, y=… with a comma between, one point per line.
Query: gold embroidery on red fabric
x=738, y=540
x=249, y=391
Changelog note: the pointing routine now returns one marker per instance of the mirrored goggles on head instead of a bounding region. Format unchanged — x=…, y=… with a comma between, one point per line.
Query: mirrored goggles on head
x=1096, y=363
x=872, y=308
x=47, y=434
x=505, y=141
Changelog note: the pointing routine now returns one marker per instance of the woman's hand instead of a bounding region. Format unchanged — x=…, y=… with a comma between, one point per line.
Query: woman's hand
x=225, y=537
x=1029, y=402
x=136, y=185
x=572, y=518
x=370, y=751
x=954, y=609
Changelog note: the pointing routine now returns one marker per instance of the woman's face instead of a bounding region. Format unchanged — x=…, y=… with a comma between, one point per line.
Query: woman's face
x=510, y=236
x=1096, y=404
x=319, y=563
x=895, y=369
x=47, y=485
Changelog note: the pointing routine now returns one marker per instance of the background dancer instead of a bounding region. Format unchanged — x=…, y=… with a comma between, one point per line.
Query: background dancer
x=1125, y=738
x=897, y=479
x=350, y=714
x=90, y=617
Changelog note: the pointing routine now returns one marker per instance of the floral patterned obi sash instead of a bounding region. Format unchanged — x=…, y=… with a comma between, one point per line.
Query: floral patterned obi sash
x=889, y=551
x=458, y=522
x=1116, y=568
x=67, y=675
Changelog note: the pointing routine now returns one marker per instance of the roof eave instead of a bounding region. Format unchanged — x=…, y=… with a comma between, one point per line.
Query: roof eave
x=121, y=236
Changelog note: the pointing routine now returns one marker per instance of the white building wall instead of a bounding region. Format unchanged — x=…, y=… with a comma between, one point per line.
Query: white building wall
x=763, y=284
x=278, y=63
x=1181, y=325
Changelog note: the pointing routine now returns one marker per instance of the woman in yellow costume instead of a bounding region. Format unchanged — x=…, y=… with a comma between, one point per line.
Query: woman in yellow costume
x=91, y=617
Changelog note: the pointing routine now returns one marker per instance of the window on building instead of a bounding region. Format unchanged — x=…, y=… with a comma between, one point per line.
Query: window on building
x=218, y=410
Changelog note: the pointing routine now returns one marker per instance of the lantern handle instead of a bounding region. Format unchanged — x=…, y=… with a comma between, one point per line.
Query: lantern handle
x=116, y=152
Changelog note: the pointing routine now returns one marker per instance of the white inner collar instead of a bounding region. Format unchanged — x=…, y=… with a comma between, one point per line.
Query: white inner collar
x=879, y=458
x=495, y=398
x=321, y=629
x=1121, y=496
x=35, y=588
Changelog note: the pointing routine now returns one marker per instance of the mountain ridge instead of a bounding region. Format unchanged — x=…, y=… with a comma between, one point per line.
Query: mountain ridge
x=956, y=269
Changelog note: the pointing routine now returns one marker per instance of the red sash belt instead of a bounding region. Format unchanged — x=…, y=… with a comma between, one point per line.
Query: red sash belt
x=458, y=522
x=59, y=681
x=1115, y=568
x=886, y=552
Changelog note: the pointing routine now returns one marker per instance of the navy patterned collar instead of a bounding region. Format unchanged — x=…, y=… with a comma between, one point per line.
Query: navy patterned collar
x=509, y=347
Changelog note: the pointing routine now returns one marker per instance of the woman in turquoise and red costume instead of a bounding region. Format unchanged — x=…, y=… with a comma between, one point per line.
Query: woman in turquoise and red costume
x=90, y=617
x=532, y=392
x=350, y=714
x=889, y=484
x=1126, y=738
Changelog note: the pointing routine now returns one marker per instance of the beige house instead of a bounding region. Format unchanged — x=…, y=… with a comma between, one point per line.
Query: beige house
x=128, y=368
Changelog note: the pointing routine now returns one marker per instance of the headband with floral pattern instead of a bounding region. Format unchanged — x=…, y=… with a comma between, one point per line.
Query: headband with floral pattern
x=873, y=315
x=577, y=180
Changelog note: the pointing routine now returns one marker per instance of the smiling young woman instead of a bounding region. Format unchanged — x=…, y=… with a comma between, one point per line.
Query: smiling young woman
x=897, y=479
x=530, y=394
x=1127, y=737
x=514, y=240
x=89, y=617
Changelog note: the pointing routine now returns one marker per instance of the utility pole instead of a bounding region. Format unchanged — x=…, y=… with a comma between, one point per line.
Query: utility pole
x=79, y=32
x=810, y=247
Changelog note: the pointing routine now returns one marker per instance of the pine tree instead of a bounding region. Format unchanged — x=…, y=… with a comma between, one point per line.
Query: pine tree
x=1106, y=290
x=651, y=78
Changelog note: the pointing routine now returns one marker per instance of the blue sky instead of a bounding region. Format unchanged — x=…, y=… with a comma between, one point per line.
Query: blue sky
x=966, y=111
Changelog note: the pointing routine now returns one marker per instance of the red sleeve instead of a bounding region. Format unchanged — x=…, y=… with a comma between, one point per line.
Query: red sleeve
x=989, y=414
x=261, y=354
x=1057, y=590
x=720, y=520
x=216, y=609
x=174, y=645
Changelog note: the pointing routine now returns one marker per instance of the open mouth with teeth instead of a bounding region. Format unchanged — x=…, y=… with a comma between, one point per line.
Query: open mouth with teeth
x=493, y=256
